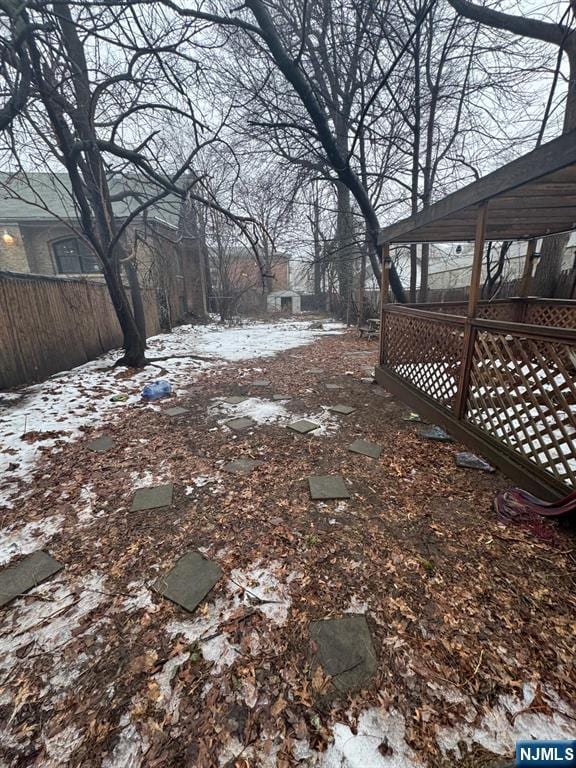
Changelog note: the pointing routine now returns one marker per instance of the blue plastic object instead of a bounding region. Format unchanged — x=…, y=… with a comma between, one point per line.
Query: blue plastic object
x=154, y=390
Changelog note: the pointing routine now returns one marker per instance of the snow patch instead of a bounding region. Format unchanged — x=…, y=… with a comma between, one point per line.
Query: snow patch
x=59, y=748
x=259, y=583
x=130, y=749
x=48, y=617
x=509, y=721
x=361, y=750
x=261, y=411
x=32, y=536
x=57, y=410
x=263, y=584
x=170, y=698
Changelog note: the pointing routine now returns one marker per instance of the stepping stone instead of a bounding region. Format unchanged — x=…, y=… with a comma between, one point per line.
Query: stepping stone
x=177, y=410
x=334, y=386
x=365, y=448
x=260, y=383
x=315, y=370
x=152, y=498
x=100, y=444
x=239, y=425
x=303, y=426
x=189, y=581
x=241, y=466
x=471, y=461
x=345, y=650
x=27, y=574
x=234, y=399
x=413, y=417
x=328, y=487
x=281, y=397
x=436, y=433
x=344, y=410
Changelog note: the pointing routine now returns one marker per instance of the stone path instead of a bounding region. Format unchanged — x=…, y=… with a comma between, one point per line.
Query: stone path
x=189, y=581
x=18, y=579
x=345, y=650
x=343, y=410
x=240, y=424
x=324, y=487
x=100, y=444
x=177, y=410
x=364, y=448
x=343, y=645
x=154, y=497
x=241, y=466
x=303, y=426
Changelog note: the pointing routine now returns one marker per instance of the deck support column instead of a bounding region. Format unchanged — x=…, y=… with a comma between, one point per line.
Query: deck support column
x=469, y=329
x=384, y=294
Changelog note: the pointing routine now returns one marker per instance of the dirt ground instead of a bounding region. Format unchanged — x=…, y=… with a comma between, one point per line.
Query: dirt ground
x=462, y=610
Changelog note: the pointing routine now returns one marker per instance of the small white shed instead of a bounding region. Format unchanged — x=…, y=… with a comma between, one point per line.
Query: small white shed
x=284, y=301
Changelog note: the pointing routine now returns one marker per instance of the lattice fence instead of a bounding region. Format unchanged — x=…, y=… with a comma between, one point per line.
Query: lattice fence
x=552, y=315
x=427, y=353
x=523, y=393
x=507, y=310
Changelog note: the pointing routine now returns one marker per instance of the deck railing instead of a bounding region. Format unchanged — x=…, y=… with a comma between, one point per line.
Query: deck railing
x=510, y=385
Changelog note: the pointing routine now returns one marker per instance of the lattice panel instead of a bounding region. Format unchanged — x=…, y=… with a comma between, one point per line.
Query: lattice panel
x=523, y=393
x=553, y=315
x=504, y=311
x=426, y=353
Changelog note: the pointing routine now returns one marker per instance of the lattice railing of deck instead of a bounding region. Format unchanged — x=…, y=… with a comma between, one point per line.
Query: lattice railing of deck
x=514, y=383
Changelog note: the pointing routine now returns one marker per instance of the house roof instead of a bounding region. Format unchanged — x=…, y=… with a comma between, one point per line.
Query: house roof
x=531, y=197
x=34, y=197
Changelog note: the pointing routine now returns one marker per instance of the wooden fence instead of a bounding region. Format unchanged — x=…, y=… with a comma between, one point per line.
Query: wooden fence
x=52, y=324
x=507, y=388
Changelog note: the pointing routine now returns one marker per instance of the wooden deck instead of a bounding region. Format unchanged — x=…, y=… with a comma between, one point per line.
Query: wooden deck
x=507, y=388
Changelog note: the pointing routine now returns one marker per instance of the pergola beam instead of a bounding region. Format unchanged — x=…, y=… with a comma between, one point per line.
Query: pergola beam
x=548, y=172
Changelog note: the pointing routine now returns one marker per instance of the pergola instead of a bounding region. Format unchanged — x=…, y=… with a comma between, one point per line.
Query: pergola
x=500, y=375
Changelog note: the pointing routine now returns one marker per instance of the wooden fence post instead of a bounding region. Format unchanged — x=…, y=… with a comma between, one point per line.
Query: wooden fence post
x=469, y=329
x=384, y=291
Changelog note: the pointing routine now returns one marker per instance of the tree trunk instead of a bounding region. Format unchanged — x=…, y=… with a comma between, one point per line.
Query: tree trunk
x=362, y=287
x=136, y=295
x=133, y=343
x=340, y=163
x=344, y=241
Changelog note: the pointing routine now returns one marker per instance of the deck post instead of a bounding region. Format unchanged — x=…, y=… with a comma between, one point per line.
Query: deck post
x=384, y=295
x=469, y=329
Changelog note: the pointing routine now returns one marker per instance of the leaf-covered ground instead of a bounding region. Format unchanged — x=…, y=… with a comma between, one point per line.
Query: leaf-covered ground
x=472, y=622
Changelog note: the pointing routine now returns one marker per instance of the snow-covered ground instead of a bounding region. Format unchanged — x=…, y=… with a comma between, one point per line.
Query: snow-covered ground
x=40, y=417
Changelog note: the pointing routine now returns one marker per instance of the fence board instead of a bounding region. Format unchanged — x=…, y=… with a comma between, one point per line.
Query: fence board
x=51, y=324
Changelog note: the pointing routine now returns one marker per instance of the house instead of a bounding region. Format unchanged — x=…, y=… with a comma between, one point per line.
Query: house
x=40, y=234
x=237, y=279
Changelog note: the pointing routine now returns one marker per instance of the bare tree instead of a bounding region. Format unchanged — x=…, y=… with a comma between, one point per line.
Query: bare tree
x=562, y=36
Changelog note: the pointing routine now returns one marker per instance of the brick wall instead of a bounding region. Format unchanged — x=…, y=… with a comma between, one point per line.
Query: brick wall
x=13, y=256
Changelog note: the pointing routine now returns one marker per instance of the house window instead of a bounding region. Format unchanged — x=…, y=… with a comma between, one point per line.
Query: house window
x=72, y=257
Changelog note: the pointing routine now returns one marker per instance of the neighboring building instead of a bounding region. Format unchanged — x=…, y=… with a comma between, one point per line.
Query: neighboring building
x=284, y=301
x=451, y=264
x=39, y=235
x=237, y=280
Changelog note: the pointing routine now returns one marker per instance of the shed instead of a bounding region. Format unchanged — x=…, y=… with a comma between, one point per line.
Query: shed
x=284, y=301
